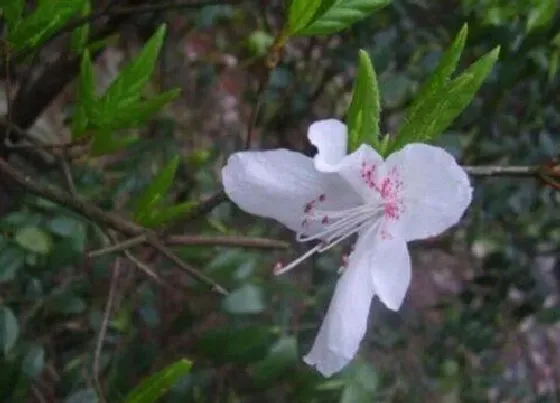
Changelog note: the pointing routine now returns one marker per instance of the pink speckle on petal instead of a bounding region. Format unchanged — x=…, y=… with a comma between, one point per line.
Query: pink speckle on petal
x=388, y=187
x=322, y=197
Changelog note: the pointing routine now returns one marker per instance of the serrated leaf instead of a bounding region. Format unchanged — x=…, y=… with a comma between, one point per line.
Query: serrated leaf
x=85, y=103
x=9, y=329
x=12, y=11
x=47, y=18
x=34, y=240
x=156, y=191
x=247, y=299
x=438, y=112
x=441, y=75
x=126, y=89
x=364, y=110
x=283, y=356
x=80, y=35
x=153, y=388
x=301, y=13
x=341, y=14
x=541, y=14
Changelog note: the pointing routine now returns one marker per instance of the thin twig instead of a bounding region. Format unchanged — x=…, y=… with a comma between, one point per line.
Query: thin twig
x=107, y=219
x=196, y=240
x=103, y=330
x=496, y=170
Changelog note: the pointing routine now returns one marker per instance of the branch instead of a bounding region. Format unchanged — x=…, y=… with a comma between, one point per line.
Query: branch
x=108, y=219
x=497, y=170
x=196, y=240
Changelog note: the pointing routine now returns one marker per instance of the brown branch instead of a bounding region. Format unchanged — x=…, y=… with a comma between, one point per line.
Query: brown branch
x=107, y=219
x=103, y=330
x=196, y=240
x=497, y=170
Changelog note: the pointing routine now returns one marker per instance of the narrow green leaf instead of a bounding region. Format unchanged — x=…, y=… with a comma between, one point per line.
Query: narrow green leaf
x=301, y=13
x=126, y=89
x=47, y=18
x=364, y=109
x=153, y=388
x=12, y=11
x=136, y=113
x=439, y=111
x=86, y=101
x=34, y=240
x=12, y=259
x=80, y=36
x=340, y=15
x=163, y=216
x=9, y=329
x=541, y=14
x=441, y=75
x=156, y=192
x=105, y=143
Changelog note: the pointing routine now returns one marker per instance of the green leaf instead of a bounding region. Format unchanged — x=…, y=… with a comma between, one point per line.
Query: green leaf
x=105, y=143
x=247, y=299
x=80, y=36
x=34, y=361
x=153, y=388
x=83, y=396
x=437, y=82
x=361, y=383
x=34, y=240
x=439, y=111
x=47, y=18
x=85, y=104
x=541, y=14
x=136, y=113
x=9, y=329
x=236, y=344
x=340, y=15
x=282, y=357
x=363, y=113
x=126, y=88
x=301, y=13
x=163, y=216
x=12, y=10
x=12, y=259
x=156, y=192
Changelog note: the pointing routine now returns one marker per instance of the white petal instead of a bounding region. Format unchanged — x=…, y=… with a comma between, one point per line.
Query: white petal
x=389, y=264
x=330, y=137
x=345, y=323
x=278, y=184
x=435, y=190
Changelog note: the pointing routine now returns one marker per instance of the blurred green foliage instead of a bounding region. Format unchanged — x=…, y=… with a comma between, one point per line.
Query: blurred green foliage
x=247, y=347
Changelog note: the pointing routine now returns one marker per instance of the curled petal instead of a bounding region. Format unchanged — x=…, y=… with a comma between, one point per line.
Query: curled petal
x=283, y=185
x=346, y=320
x=435, y=190
x=329, y=136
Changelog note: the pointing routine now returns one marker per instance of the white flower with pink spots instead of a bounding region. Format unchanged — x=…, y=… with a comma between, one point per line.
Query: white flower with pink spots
x=417, y=192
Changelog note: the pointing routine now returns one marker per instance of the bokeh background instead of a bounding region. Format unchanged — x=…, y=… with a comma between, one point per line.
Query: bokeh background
x=481, y=320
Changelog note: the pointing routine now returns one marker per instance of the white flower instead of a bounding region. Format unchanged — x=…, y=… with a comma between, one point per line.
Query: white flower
x=415, y=193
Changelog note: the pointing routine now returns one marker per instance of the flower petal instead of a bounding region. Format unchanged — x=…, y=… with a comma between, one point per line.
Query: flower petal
x=389, y=264
x=345, y=323
x=435, y=190
x=330, y=137
x=282, y=185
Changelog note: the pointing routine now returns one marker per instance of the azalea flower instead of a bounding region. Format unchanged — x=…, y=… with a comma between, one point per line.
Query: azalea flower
x=417, y=192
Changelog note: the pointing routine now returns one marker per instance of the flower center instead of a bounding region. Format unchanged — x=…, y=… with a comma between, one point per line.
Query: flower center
x=332, y=226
